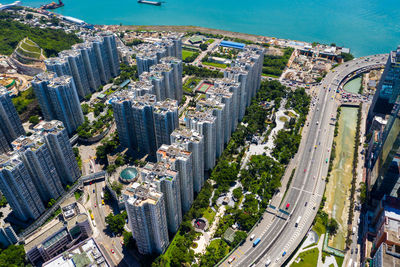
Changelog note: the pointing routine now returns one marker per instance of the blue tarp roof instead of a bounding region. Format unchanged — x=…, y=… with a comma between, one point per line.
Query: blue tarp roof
x=232, y=44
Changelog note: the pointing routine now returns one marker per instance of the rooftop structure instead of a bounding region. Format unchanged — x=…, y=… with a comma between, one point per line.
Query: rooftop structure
x=165, y=114
x=54, y=237
x=86, y=253
x=180, y=160
x=166, y=181
x=205, y=123
x=231, y=44
x=145, y=207
x=192, y=141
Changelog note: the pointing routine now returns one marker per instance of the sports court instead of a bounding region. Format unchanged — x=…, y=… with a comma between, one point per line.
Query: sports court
x=203, y=87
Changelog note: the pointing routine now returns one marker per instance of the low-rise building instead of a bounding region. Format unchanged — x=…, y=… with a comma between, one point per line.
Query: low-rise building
x=56, y=236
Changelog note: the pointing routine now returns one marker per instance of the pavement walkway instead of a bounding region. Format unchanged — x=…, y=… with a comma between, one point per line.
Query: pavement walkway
x=206, y=237
x=310, y=240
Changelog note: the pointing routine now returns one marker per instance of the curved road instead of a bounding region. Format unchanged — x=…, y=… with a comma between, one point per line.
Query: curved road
x=277, y=229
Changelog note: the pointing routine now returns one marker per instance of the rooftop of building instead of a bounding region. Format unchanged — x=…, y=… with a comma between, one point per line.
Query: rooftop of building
x=86, y=253
x=43, y=233
x=55, y=60
x=144, y=193
x=72, y=214
x=61, y=80
x=53, y=126
x=210, y=103
x=9, y=160
x=185, y=134
x=200, y=115
x=123, y=95
x=144, y=101
x=173, y=151
x=160, y=68
x=148, y=50
x=70, y=53
x=140, y=85
x=44, y=76
x=152, y=75
x=170, y=60
x=165, y=106
x=24, y=143
x=83, y=46
x=158, y=171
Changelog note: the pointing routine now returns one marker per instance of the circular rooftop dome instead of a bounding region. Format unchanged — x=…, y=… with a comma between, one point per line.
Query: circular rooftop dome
x=128, y=175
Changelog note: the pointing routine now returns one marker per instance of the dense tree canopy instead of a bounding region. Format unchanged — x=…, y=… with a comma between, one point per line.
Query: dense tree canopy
x=50, y=40
x=13, y=256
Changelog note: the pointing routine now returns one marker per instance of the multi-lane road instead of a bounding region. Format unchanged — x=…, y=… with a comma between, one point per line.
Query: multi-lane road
x=277, y=230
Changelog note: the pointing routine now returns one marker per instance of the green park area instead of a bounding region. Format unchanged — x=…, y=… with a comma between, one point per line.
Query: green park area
x=189, y=56
x=308, y=258
x=274, y=65
x=50, y=40
x=190, y=84
x=214, y=64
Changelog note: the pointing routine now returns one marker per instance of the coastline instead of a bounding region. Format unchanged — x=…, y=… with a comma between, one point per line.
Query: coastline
x=178, y=28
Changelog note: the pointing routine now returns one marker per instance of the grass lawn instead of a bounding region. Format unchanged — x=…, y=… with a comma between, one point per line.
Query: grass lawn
x=209, y=214
x=77, y=194
x=213, y=64
x=308, y=258
x=209, y=41
x=319, y=228
x=270, y=75
x=339, y=261
x=186, y=53
x=217, y=244
x=22, y=101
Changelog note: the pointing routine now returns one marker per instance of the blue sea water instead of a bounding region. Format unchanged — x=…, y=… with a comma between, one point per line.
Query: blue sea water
x=365, y=26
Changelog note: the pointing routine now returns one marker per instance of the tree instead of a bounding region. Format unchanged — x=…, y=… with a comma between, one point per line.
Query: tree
x=51, y=203
x=332, y=226
x=3, y=201
x=85, y=109
x=237, y=193
x=14, y=255
x=239, y=237
x=203, y=46
x=34, y=119
x=29, y=16
x=117, y=187
x=128, y=239
x=116, y=223
x=347, y=56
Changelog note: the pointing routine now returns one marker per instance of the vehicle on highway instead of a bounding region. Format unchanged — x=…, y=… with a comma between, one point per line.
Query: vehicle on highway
x=356, y=250
x=305, y=205
x=305, y=170
x=112, y=251
x=102, y=202
x=91, y=216
x=268, y=262
x=94, y=190
x=255, y=243
x=231, y=259
x=297, y=221
x=95, y=205
x=94, y=223
x=252, y=237
x=317, y=122
x=287, y=205
x=352, y=251
x=326, y=161
x=284, y=253
x=102, y=195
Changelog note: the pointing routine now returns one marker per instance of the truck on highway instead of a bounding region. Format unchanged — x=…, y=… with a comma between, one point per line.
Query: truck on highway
x=102, y=195
x=255, y=243
x=297, y=221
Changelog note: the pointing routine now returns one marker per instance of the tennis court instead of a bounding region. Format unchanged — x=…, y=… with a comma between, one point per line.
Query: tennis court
x=204, y=87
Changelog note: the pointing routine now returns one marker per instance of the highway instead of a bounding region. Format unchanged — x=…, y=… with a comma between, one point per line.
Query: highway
x=277, y=231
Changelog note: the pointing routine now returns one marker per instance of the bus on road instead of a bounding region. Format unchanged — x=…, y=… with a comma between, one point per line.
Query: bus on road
x=255, y=243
